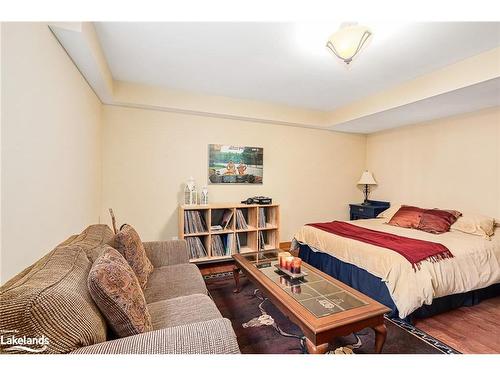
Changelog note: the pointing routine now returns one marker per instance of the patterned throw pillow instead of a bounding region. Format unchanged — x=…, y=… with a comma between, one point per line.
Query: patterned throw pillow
x=116, y=291
x=129, y=244
x=407, y=217
x=438, y=221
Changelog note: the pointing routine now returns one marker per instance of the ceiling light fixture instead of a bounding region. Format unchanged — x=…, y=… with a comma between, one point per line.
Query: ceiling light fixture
x=348, y=41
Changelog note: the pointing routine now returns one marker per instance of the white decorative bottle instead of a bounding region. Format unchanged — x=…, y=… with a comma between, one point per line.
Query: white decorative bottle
x=187, y=194
x=193, y=193
x=190, y=194
x=204, y=195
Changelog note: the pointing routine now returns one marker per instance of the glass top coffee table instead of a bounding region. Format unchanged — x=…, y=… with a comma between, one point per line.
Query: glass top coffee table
x=320, y=305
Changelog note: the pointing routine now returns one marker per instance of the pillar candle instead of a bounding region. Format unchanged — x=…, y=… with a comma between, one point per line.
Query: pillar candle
x=296, y=265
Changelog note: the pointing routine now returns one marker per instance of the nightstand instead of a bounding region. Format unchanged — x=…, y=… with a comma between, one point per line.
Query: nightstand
x=368, y=211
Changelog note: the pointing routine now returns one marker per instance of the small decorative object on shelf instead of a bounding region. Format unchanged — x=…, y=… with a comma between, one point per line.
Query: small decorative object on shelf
x=190, y=193
x=204, y=195
x=258, y=200
x=187, y=194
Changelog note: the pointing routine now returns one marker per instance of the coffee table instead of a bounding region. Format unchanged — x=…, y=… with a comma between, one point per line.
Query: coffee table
x=320, y=305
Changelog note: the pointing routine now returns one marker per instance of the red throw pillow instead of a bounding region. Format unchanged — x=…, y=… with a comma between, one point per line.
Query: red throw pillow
x=438, y=221
x=407, y=217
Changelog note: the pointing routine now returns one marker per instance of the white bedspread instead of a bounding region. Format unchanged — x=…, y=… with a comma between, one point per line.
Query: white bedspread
x=476, y=262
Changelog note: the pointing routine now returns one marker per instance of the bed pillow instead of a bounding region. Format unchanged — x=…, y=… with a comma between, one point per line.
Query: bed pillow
x=407, y=217
x=389, y=213
x=478, y=225
x=438, y=221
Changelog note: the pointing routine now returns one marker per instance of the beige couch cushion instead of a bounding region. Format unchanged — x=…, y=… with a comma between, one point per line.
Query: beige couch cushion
x=183, y=310
x=51, y=299
x=174, y=281
x=92, y=239
x=116, y=291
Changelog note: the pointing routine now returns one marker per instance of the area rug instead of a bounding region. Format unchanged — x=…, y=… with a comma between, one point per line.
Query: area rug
x=262, y=329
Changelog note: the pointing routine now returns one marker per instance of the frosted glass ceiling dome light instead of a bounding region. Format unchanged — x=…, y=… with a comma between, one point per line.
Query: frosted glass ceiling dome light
x=348, y=41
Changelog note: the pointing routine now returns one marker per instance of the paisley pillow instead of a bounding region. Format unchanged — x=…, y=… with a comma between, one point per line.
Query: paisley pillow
x=129, y=244
x=116, y=291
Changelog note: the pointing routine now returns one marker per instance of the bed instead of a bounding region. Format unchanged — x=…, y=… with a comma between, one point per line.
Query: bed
x=471, y=275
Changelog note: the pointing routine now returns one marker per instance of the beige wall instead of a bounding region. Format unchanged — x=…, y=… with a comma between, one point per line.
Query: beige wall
x=148, y=155
x=447, y=163
x=51, y=152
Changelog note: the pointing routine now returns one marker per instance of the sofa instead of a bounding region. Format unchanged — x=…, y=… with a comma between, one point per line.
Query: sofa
x=50, y=300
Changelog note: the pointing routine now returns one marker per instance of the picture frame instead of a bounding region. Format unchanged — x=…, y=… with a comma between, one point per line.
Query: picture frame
x=229, y=164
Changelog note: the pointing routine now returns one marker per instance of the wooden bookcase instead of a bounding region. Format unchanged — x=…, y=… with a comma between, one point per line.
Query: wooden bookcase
x=250, y=238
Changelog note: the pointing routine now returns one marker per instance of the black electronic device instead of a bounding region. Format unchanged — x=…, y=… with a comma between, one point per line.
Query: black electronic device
x=258, y=200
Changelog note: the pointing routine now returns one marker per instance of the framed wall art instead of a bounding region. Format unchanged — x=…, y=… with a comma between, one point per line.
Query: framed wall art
x=229, y=164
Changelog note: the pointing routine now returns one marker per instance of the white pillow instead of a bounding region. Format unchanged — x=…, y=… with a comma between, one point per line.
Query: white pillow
x=478, y=225
x=389, y=213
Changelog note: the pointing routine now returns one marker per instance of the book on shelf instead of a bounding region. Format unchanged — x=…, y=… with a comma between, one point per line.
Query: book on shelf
x=262, y=217
x=262, y=242
x=226, y=218
x=194, y=222
x=238, y=245
x=221, y=246
x=229, y=243
x=216, y=227
x=241, y=222
x=217, y=246
x=196, y=248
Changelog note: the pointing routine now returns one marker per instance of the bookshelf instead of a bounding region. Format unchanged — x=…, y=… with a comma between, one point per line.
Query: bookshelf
x=261, y=231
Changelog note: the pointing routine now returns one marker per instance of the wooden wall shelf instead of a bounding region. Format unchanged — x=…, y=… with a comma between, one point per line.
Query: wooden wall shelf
x=252, y=238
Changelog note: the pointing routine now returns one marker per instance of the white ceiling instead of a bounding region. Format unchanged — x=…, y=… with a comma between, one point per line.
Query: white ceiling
x=284, y=62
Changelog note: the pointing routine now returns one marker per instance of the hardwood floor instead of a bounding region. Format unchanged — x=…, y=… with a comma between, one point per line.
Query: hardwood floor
x=472, y=330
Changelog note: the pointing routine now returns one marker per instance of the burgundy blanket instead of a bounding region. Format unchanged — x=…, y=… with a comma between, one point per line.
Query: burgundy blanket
x=415, y=251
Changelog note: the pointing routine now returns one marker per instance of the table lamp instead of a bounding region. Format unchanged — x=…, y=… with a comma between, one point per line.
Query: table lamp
x=367, y=180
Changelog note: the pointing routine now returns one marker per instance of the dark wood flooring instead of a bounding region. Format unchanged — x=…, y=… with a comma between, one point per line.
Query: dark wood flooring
x=474, y=330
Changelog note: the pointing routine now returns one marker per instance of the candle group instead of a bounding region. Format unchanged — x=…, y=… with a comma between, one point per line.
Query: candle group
x=289, y=262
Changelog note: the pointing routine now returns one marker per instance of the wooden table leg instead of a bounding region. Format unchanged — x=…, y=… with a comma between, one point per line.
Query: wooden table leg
x=380, y=335
x=313, y=349
x=236, y=275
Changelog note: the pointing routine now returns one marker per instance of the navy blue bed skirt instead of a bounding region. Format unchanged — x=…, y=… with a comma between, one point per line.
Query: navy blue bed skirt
x=373, y=286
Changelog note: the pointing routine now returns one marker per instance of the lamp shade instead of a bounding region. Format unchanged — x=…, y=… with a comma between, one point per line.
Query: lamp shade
x=348, y=41
x=367, y=179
